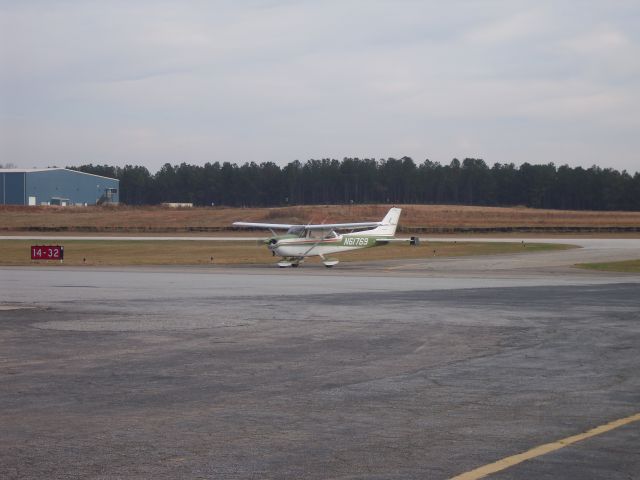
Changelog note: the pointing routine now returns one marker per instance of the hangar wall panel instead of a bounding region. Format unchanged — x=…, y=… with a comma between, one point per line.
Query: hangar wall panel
x=77, y=187
x=13, y=188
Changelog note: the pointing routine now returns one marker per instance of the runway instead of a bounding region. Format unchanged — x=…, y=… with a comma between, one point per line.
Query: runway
x=401, y=370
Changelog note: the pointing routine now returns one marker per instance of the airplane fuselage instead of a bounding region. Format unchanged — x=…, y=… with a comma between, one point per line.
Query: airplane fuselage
x=306, y=247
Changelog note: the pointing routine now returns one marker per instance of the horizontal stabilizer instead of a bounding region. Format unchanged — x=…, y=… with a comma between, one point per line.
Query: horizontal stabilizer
x=386, y=240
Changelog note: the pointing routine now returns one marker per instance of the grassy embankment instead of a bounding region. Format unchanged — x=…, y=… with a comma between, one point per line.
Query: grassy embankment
x=115, y=253
x=627, y=266
x=415, y=218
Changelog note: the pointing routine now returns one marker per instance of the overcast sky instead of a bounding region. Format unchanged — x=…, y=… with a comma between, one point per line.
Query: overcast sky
x=148, y=82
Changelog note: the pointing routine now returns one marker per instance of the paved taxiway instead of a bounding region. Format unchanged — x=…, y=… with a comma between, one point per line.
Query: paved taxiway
x=421, y=369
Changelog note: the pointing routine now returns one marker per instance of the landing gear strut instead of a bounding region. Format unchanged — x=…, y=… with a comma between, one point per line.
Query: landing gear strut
x=329, y=262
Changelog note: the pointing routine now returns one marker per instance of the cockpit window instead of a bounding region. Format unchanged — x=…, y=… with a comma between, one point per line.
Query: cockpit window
x=321, y=234
x=301, y=231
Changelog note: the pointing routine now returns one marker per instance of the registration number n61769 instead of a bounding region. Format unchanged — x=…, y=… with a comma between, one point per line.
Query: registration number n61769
x=356, y=241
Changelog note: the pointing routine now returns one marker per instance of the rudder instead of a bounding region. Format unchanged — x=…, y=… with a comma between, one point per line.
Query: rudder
x=389, y=223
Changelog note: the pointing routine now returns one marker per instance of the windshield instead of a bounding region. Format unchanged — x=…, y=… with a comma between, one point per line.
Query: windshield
x=296, y=230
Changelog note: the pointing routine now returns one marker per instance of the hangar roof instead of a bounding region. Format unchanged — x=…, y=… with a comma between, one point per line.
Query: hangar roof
x=26, y=170
x=36, y=170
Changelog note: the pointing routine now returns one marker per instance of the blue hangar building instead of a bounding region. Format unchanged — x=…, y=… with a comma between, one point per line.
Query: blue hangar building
x=55, y=186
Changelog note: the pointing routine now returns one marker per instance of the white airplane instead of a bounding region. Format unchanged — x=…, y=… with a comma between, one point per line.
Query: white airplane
x=303, y=241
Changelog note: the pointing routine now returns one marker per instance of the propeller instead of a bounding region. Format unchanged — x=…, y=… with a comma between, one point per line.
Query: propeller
x=269, y=240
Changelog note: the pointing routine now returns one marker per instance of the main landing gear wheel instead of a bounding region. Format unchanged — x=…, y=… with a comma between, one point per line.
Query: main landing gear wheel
x=329, y=262
x=295, y=262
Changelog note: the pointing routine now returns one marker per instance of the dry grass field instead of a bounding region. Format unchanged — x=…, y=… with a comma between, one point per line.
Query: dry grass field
x=210, y=219
x=114, y=253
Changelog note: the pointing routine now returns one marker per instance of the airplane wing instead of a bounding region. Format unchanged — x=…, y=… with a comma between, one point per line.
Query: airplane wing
x=323, y=226
x=275, y=226
x=342, y=226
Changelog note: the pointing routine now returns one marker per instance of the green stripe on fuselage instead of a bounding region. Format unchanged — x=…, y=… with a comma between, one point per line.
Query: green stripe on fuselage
x=361, y=241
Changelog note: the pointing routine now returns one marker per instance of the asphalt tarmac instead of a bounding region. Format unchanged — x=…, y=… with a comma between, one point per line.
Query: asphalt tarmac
x=395, y=370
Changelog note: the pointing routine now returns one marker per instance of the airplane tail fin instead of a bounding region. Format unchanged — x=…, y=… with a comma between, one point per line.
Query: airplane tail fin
x=389, y=224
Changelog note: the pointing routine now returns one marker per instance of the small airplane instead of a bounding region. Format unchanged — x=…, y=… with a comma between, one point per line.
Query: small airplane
x=303, y=241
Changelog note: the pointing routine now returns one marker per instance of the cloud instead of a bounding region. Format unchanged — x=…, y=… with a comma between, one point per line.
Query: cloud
x=155, y=82
x=603, y=38
x=517, y=26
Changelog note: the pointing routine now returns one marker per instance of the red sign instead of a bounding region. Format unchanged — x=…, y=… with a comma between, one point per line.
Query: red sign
x=47, y=252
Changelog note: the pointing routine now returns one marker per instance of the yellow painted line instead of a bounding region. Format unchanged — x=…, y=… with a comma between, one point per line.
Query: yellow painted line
x=507, y=462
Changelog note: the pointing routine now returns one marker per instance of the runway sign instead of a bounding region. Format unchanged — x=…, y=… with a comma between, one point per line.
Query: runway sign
x=47, y=252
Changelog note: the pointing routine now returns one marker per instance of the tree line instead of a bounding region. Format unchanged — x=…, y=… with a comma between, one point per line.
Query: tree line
x=353, y=180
